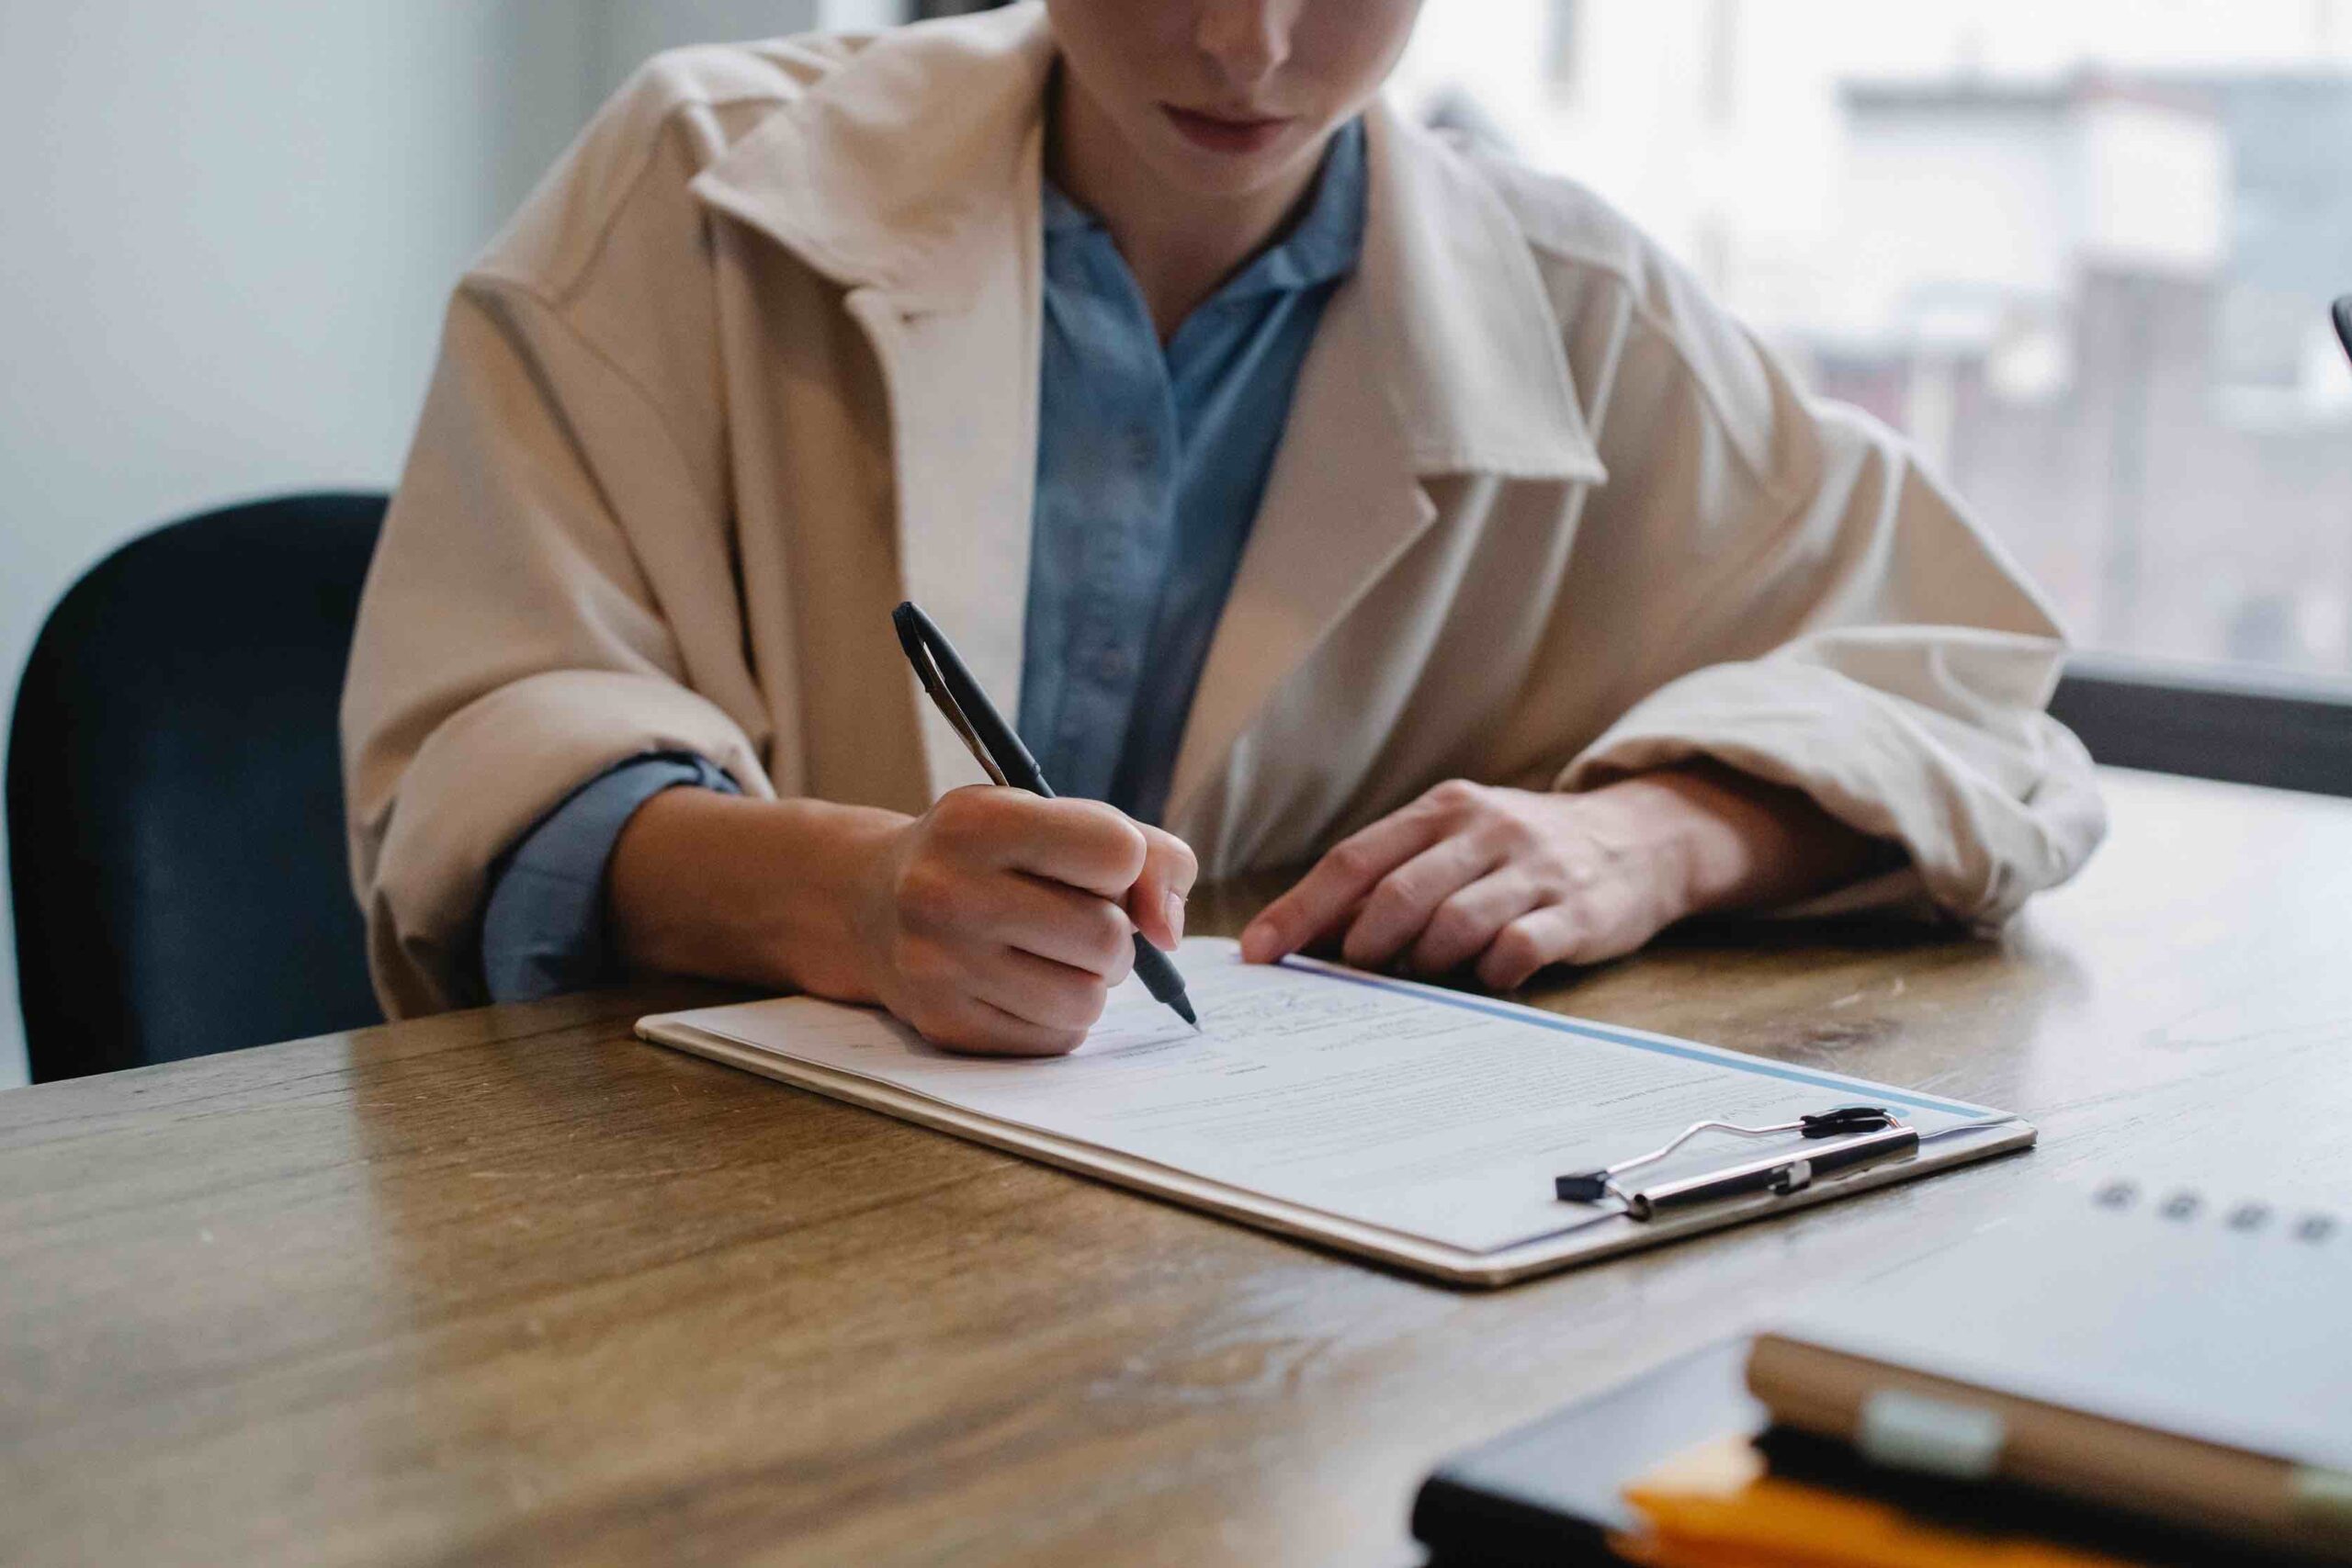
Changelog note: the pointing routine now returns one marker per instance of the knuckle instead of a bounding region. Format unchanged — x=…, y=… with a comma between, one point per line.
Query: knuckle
x=1555, y=875
x=1088, y=816
x=1455, y=795
x=1128, y=849
x=1183, y=865
x=1513, y=834
x=1452, y=927
x=1392, y=900
x=1108, y=832
x=1107, y=937
x=957, y=808
x=929, y=895
x=1350, y=859
x=965, y=818
x=1379, y=913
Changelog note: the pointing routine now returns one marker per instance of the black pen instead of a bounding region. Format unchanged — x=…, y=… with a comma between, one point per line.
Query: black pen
x=1006, y=761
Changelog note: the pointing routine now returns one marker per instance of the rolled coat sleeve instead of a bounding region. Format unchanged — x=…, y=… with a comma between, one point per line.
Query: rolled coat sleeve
x=523, y=627
x=1818, y=611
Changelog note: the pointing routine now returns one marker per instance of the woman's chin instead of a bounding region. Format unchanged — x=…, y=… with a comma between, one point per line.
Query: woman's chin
x=1202, y=172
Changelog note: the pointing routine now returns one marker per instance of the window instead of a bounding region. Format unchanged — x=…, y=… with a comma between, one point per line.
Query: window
x=2083, y=254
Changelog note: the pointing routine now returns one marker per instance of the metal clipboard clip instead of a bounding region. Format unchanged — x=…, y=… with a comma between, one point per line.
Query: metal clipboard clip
x=1876, y=1134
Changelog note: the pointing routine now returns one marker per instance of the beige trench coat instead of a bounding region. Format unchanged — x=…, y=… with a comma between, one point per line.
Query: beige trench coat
x=759, y=359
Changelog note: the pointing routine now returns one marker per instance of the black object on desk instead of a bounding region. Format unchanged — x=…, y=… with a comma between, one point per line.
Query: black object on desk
x=1552, y=1493
x=1005, y=760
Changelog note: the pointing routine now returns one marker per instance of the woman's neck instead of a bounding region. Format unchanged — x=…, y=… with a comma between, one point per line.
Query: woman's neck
x=1180, y=245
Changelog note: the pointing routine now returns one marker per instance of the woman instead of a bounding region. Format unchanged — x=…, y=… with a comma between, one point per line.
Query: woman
x=1317, y=486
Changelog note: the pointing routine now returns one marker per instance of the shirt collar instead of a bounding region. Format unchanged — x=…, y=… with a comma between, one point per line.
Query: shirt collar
x=1063, y=216
x=1320, y=245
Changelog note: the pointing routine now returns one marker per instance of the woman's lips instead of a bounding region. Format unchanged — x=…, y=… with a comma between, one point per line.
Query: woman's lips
x=1224, y=133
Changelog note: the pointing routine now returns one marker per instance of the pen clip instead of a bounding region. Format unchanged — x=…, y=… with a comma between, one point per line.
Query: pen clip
x=927, y=672
x=915, y=635
x=993, y=742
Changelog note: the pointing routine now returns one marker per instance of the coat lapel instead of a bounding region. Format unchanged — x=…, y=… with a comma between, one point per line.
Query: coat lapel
x=1341, y=504
x=911, y=175
x=1440, y=355
x=962, y=388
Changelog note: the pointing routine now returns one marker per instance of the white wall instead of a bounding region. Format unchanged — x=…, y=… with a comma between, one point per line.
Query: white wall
x=226, y=232
x=624, y=32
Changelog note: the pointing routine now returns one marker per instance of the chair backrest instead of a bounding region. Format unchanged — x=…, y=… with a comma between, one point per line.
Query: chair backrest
x=175, y=796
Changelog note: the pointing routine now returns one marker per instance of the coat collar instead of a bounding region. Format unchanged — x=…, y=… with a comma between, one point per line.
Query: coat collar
x=885, y=171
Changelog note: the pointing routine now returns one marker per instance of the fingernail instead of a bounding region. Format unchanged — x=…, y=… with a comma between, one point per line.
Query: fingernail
x=1175, y=916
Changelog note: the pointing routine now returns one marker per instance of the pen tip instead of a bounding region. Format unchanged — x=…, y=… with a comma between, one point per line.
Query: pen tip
x=1184, y=1006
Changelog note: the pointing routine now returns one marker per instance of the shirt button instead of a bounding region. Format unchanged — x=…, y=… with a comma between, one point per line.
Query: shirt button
x=1111, y=665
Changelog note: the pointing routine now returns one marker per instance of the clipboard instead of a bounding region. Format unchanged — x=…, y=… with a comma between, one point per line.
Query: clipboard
x=1588, y=1233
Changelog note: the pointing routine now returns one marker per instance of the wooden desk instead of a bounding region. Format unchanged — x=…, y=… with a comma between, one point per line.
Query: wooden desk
x=508, y=1286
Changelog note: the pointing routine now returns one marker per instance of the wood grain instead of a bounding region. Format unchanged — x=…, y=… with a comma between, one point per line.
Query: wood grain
x=508, y=1286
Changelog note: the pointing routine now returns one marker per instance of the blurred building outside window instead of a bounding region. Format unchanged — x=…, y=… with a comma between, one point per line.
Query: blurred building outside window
x=2082, y=253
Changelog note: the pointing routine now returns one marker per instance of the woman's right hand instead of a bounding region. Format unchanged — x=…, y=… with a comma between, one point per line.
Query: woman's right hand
x=998, y=921
x=995, y=922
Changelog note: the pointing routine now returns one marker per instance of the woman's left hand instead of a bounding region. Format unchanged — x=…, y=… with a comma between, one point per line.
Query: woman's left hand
x=1516, y=880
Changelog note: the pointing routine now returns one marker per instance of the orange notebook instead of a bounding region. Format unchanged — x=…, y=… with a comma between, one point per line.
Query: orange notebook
x=1717, y=1507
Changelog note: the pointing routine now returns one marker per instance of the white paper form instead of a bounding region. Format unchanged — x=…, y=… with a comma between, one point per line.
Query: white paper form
x=1425, y=1113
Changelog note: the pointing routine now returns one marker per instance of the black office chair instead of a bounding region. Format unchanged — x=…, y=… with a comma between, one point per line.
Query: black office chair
x=175, y=798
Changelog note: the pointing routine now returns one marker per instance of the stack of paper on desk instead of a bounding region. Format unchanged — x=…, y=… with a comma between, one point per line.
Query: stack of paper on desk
x=1407, y=1122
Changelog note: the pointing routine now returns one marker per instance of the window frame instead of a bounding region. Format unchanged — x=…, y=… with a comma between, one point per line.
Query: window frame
x=2232, y=724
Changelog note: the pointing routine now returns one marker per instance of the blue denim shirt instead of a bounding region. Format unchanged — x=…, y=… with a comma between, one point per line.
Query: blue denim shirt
x=1150, y=466
x=1151, y=462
